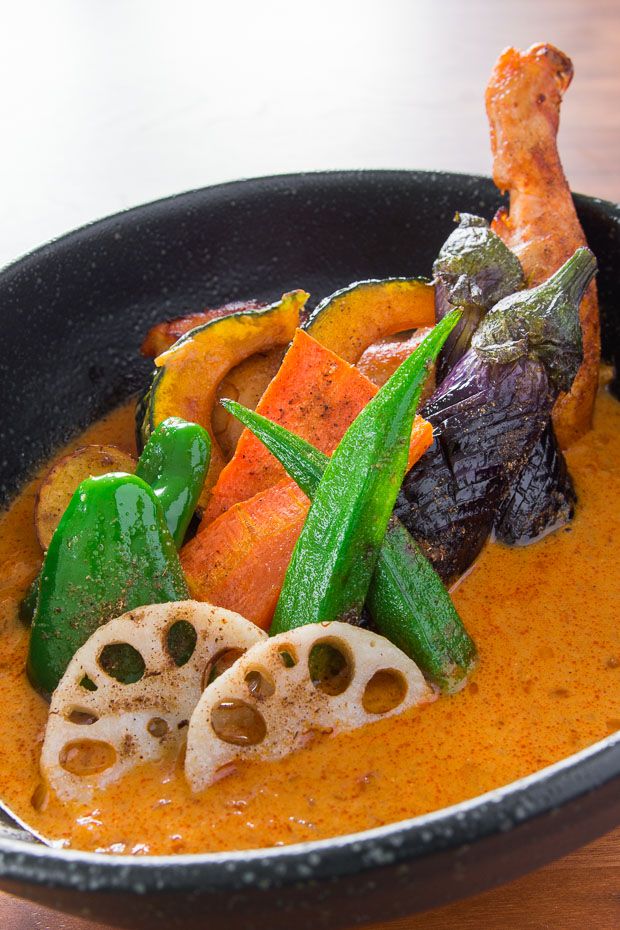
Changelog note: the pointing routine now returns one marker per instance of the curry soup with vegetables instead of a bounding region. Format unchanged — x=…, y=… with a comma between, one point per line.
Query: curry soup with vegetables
x=546, y=686
x=358, y=563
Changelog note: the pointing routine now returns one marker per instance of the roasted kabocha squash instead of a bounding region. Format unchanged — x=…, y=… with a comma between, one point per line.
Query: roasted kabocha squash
x=163, y=335
x=358, y=315
x=187, y=375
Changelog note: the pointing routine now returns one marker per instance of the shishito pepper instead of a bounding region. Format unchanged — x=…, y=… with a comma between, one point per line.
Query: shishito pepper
x=111, y=552
x=174, y=462
x=333, y=562
x=406, y=598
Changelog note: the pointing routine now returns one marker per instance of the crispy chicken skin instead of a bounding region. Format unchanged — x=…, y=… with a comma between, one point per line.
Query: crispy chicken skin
x=523, y=100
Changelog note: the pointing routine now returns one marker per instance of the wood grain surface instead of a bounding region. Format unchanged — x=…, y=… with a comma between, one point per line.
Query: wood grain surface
x=108, y=105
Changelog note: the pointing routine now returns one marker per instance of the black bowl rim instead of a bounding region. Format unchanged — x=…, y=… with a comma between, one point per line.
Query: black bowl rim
x=494, y=812
x=336, y=176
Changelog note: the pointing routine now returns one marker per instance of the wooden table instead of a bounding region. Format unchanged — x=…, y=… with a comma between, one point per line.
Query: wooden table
x=109, y=105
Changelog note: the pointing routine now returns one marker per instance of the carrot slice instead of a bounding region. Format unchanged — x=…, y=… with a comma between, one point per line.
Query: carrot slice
x=314, y=394
x=382, y=358
x=239, y=557
x=242, y=558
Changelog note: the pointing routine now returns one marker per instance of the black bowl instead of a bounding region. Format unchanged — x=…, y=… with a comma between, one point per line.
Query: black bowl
x=74, y=313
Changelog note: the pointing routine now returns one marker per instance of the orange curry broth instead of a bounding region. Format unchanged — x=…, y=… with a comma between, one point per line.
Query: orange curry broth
x=548, y=684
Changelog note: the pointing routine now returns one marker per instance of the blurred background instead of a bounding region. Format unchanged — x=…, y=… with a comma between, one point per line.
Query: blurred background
x=106, y=104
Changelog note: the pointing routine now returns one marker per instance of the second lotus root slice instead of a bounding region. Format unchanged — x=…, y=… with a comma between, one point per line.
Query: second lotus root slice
x=326, y=678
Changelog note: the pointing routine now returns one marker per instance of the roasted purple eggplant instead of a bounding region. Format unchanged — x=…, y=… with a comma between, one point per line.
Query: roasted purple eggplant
x=475, y=269
x=489, y=413
x=541, y=499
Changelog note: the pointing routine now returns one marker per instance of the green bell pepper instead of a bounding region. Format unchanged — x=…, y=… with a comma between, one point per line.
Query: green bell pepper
x=335, y=556
x=28, y=603
x=112, y=551
x=407, y=599
x=174, y=462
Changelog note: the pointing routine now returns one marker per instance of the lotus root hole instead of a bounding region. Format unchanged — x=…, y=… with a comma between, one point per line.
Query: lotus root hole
x=122, y=662
x=260, y=684
x=40, y=797
x=157, y=727
x=220, y=663
x=239, y=723
x=385, y=691
x=83, y=718
x=88, y=684
x=225, y=771
x=330, y=667
x=288, y=656
x=181, y=642
x=87, y=757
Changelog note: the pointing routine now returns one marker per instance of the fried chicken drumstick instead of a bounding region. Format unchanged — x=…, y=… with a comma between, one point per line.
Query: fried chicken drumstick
x=523, y=101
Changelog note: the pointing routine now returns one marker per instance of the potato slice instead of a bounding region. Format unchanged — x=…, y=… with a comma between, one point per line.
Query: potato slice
x=66, y=475
x=320, y=678
x=129, y=692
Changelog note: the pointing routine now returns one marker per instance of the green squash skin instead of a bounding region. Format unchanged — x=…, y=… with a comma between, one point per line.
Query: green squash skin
x=406, y=598
x=174, y=463
x=112, y=552
x=335, y=556
x=144, y=411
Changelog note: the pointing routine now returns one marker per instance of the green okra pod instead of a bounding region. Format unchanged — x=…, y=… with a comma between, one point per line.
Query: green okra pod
x=336, y=553
x=406, y=598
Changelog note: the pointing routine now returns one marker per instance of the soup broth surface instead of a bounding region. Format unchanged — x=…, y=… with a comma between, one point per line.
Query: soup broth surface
x=544, y=617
